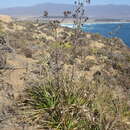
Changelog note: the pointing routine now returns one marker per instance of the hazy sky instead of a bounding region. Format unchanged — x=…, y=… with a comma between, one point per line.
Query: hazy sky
x=12, y=3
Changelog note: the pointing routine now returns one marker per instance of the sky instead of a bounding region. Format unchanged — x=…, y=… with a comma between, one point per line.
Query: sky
x=14, y=3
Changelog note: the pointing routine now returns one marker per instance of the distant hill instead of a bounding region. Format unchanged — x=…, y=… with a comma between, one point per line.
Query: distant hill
x=96, y=11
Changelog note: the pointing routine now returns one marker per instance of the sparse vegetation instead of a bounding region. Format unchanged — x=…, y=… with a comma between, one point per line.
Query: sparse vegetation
x=63, y=79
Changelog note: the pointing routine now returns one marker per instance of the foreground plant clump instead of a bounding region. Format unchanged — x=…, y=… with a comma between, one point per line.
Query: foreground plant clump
x=66, y=83
x=74, y=105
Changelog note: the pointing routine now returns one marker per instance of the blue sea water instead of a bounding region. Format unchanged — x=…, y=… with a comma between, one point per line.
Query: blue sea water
x=121, y=30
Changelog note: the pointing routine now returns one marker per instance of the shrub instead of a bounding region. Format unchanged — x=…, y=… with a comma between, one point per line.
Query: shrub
x=27, y=52
x=2, y=61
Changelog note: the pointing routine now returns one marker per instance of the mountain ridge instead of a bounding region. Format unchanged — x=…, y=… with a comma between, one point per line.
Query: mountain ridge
x=93, y=11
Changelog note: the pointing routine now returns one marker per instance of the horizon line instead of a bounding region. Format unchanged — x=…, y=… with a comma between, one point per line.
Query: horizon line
x=62, y=4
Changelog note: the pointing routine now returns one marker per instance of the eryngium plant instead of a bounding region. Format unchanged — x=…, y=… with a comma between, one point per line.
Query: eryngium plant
x=79, y=17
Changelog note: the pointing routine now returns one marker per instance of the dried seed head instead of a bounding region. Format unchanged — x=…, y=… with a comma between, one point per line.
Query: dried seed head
x=45, y=14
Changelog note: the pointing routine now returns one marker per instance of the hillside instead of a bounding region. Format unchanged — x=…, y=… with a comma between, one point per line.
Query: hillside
x=5, y=18
x=48, y=82
x=97, y=11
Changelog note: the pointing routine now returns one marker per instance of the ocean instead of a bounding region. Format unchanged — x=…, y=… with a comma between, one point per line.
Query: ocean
x=121, y=30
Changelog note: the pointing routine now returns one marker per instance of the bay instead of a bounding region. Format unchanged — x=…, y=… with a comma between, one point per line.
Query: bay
x=120, y=30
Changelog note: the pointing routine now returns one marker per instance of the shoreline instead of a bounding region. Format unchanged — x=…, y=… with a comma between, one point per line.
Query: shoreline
x=90, y=23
